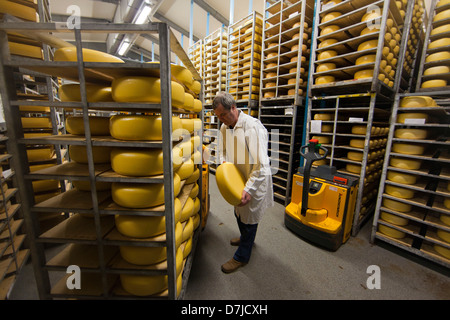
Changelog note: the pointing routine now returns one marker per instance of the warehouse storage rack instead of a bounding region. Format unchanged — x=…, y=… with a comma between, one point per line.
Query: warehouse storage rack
x=13, y=254
x=286, y=45
x=196, y=55
x=436, y=51
x=96, y=235
x=244, y=60
x=215, y=64
x=413, y=204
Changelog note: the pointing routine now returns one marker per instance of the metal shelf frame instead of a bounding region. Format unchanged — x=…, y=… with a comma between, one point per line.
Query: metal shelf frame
x=430, y=189
x=17, y=144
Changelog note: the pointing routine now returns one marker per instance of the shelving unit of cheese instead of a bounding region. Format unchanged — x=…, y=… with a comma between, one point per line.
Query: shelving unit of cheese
x=286, y=45
x=91, y=236
x=244, y=60
x=354, y=128
x=413, y=205
x=13, y=254
x=215, y=66
x=196, y=55
x=357, y=46
x=434, y=72
x=285, y=127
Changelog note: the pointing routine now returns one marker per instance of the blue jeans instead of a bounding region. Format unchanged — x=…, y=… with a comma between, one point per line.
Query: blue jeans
x=248, y=233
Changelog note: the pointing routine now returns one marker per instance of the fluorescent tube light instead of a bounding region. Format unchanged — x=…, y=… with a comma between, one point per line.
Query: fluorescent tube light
x=143, y=15
x=123, y=48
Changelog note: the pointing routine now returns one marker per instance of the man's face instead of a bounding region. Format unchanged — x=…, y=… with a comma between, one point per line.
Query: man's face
x=229, y=117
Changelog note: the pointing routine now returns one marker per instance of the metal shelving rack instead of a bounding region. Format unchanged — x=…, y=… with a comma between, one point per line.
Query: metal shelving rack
x=432, y=36
x=12, y=253
x=244, y=60
x=413, y=219
x=286, y=45
x=196, y=55
x=97, y=233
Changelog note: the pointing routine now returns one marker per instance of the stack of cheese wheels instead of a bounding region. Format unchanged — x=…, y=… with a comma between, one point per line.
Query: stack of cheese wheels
x=437, y=68
x=443, y=234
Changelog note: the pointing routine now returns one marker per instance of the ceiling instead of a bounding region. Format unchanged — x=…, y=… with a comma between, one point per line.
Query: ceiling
x=177, y=13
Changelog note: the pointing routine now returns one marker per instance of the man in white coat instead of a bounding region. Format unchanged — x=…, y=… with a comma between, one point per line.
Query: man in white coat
x=245, y=143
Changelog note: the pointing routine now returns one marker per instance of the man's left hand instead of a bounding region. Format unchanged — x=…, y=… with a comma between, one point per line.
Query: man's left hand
x=245, y=198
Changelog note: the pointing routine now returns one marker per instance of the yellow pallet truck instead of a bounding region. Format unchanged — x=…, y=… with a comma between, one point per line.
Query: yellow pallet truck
x=323, y=201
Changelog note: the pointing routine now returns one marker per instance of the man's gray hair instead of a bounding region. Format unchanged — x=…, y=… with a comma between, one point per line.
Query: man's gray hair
x=225, y=99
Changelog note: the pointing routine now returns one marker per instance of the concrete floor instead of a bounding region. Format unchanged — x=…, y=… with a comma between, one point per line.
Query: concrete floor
x=285, y=267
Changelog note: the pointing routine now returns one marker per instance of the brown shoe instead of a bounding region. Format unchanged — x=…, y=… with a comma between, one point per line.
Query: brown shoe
x=235, y=241
x=232, y=265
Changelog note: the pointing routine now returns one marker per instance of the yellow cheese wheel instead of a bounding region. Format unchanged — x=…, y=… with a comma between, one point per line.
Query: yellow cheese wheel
x=325, y=67
x=364, y=74
x=322, y=139
x=146, y=226
x=397, y=205
x=442, y=3
x=402, y=117
x=187, y=210
x=138, y=161
x=329, y=29
x=40, y=154
x=439, y=43
x=370, y=58
x=188, y=101
x=444, y=235
x=34, y=109
x=355, y=155
x=324, y=116
x=194, y=191
x=359, y=129
x=186, y=169
x=45, y=185
x=445, y=252
x=326, y=55
x=86, y=185
x=139, y=127
x=407, y=148
x=369, y=30
x=141, y=195
x=402, y=163
x=145, y=89
x=442, y=15
x=188, y=124
x=394, y=233
x=143, y=255
x=36, y=123
x=99, y=125
x=196, y=87
x=196, y=218
x=325, y=79
x=94, y=93
x=374, y=14
x=394, y=219
x=434, y=83
x=194, y=177
x=182, y=74
x=357, y=143
x=25, y=50
x=19, y=10
x=269, y=94
x=436, y=70
x=188, y=229
x=410, y=133
x=37, y=167
x=366, y=45
x=327, y=42
x=197, y=105
x=89, y=55
x=230, y=182
x=354, y=168
x=330, y=16
x=100, y=154
x=417, y=102
x=196, y=205
x=442, y=29
x=438, y=56
x=401, y=177
x=447, y=203
x=445, y=218
x=399, y=192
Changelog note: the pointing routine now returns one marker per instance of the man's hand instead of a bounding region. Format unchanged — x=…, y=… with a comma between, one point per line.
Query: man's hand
x=244, y=199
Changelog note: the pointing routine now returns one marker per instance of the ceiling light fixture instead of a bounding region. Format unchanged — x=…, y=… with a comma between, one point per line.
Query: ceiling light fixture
x=143, y=15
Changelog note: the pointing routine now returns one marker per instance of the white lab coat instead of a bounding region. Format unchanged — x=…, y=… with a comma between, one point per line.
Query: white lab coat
x=246, y=145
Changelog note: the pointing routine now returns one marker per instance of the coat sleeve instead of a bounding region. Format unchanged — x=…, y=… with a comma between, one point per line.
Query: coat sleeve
x=257, y=143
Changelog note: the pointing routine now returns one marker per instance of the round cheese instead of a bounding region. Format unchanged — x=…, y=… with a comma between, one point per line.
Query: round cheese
x=357, y=143
x=366, y=45
x=323, y=116
x=363, y=74
x=403, y=163
x=99, y=126
x=326, y=43
x=145, y=89
x=444, y=235
x=417, y=102
x=434, y=83
x=89, y=55
x=140, y=127
x=438, y=56
x=355, y=155
x=416, y=134
x=370, y=58
x=325, y=79
x=40, y=154
x=25, y=50
x=19, y=10
x=230, y=182
x=354, y=168
x=399, y=192
x=447, y=203
x=187, y=210
x=394, y=233
x=325, y=67
x=182, y=74
x=330, y=16
x=141, y=195
x=436, y=70
x=401, y=177
x=374, y=14
x=402, y=117
x=445, y=218
x=442, y=15
x=329, y=29
x=326, y=55
x=442, y=29
x=186, y=169
x=194, y=177
x=445, y=252
x=407, y=148
x=100, y=154
x=439, y=43
x=188, y=229
x=94, y=93
x=397, y=205
x=394, y=219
